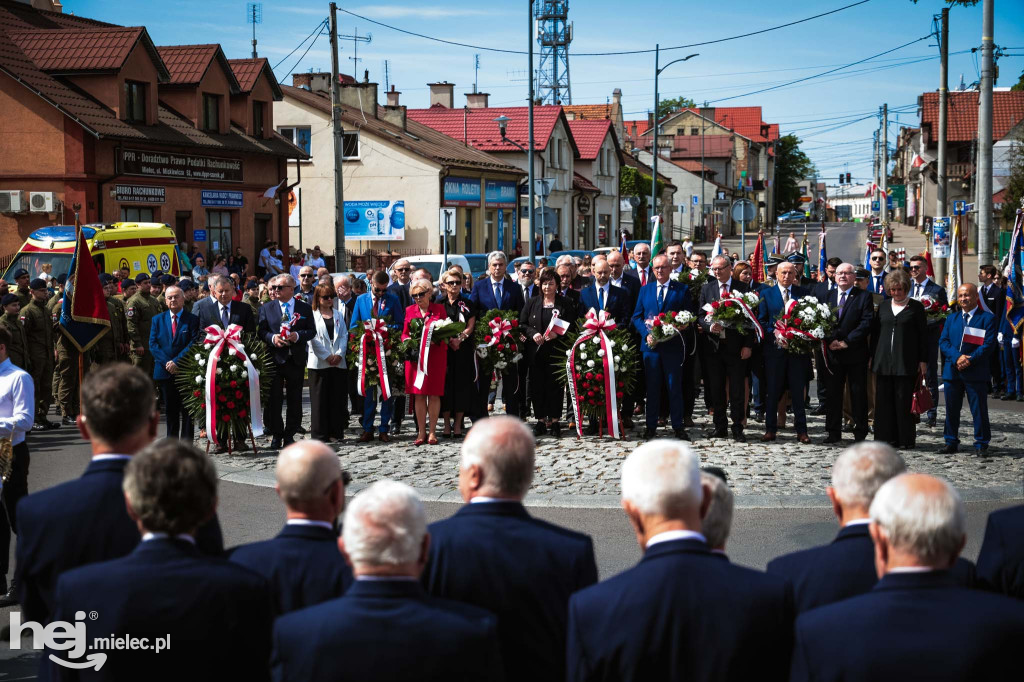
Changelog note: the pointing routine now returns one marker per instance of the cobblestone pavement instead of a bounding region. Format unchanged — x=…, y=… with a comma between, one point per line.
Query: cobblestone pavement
x=589, y=467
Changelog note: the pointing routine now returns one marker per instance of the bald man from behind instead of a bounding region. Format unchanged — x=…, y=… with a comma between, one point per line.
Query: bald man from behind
x=302, y=563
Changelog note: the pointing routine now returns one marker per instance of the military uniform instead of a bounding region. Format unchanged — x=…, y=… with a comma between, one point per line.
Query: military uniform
x=108, y=348
x=24, y=297
x=65, y=388
x=140, y=311
x=18, y=351
x=161, y=302
x=38, y=327
x=254, y=303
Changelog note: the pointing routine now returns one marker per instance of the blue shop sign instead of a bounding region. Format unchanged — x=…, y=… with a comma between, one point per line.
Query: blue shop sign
x=215, y=198
x=461, y=191
x=499, y=194
x=199, y=235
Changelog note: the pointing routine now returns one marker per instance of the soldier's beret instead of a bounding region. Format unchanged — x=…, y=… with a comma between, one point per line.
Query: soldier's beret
x=106, y=278
x=141, y=277
x=157, y=274
x=252, y=284
x=206, y=288
x=62, y=278
x=37, y=283
x=8, y=299
x=20, y=272
x=167, y=280
x=862, y=273
x=186, y=285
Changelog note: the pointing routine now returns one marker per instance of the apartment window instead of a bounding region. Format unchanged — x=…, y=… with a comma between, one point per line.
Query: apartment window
x=257, y=119
x=561, y=154
x=680, y=131
x=134, y=102
x=300, y=136
x=211, y=112
x=350, y=145
x=137, y=214
x=695, y=131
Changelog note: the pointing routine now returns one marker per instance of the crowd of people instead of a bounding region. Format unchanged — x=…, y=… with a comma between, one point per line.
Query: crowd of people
x=368, y=590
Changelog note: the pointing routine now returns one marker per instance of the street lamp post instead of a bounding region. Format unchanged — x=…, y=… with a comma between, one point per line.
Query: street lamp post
x=529, y=153
x=502, y=122
x=654, y=148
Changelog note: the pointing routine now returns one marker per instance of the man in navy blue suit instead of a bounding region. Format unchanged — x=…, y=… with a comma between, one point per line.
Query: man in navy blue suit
x=922, y=285
x=170, y=337
x=631, y=286
x=386, y=627
x=783, y=370
x=916, y=623
x=876, y=278
x=494, y=555
x=498, y=291
x=84, y=521
x=302, y=564
x=967, y=343
x=682, y=613
x=601, y=295
x=1001, y=560
x=378, y=303
x=289, y=354
x=222, y=310
x=214, y=617
x=640, y=268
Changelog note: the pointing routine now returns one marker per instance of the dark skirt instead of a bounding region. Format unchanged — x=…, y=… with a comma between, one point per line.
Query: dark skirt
x=460, y=391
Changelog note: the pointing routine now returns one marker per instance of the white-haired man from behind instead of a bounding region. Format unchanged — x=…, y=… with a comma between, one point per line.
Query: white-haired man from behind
x=682, y=612
x=492, y=553
x=717, y=522
x=386, y=627
x=916, y=623
x=845, y=567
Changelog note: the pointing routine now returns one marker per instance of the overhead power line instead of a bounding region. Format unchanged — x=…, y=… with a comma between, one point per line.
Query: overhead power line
x=319, y=27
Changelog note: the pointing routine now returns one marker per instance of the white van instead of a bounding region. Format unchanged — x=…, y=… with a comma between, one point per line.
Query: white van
x=432, y=263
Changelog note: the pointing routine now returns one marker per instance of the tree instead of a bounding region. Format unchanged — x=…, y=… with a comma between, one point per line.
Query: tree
x=791, y=166
x=1020, y=83
x=667, y=106
x=1014, y=190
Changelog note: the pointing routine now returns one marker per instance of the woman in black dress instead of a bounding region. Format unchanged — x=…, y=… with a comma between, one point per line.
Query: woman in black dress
x=459, y=385
x=545, y=391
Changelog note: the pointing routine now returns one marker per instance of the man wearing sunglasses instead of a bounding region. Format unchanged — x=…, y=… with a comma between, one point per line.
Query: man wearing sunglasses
x=378, y=303
x=307, y=282
x=877, y=280
x=922, y=285
x=288, y=351
x=403, y=278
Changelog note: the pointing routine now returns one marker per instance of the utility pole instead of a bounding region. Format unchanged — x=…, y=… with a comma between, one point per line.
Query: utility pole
x=883, y=206
x=529, y=146
x=654, y=147
x=703, y=225
x=339, y=145
x=942, y=189
x=984, y=170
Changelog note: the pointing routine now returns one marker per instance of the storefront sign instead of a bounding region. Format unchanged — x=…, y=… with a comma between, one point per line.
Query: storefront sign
x=140, y=194
x=182, y=166
x=375, y=220
x=461, y=191
x=583, y=204
x=199, y=235
x=500, y=194
x=501, y=227
x=215, y=198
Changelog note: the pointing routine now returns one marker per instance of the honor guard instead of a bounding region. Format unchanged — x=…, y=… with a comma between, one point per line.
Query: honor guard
x=39, y=327
x=113, y=345
x=140, y=310
x=18, y=351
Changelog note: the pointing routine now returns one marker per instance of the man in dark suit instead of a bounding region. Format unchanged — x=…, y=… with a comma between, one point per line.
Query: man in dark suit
x=565, y=283
x=223, y=308
x=876, y=277
x=662, y=361
x=498, y=292
x=846, y=363
x=170, y=337
x=994, y=297
x=494, y=555
x=302, y=564
x=922, y=285
x=601, y=295
x=385, y=627
x=84, y=521
x=206, y=611
x=967, y=342
x=916, y=623
x=682, y=613
x=620, y=278
x=820, y=291
x=380, y=304
x=288, y=351
x=641, y=267
x=527, y=277
x=629, y=281
x=1001, y=560
x=727, y=353
x=782, y=369
x=400, y=287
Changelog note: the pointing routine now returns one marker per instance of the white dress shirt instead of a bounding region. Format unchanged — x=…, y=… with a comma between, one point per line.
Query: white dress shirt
x=146, y=537
x=670, y=535
x=309, y=522
x=17, y=402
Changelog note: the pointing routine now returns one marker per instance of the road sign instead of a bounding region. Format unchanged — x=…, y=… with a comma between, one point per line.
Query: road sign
x=959, y=207
x=447, y=221
x=743, y=210
x=875, y=204
x=542, y=186
x=888, y=203
x=696, y=200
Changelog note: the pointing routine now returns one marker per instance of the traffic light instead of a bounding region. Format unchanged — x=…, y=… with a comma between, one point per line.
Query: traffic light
x=847, y=178
x=841, y=176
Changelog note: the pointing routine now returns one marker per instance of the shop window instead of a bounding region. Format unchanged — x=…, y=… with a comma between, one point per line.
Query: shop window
x=137, y=214
x=218, y=233
x=134, y=102
x=257, y=119
x=300, y=136
x=211, y=112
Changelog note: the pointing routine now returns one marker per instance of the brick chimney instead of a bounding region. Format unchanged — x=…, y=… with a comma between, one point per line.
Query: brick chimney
x=477, y=100
x=394, y=114
x=392, y=96
x=361, y=97
x=442, y=93
x=302, y=80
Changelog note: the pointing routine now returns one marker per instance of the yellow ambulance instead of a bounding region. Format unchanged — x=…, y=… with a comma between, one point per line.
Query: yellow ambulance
x=137, y=247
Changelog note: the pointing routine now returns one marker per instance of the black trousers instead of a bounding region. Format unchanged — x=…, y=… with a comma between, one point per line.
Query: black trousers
x=725, y=366
x=15, y=489
x=855, y=376
x=179, y=421
x=354, y=398
x=822, y=388
x=328, y=396
x=894, y=423
x=546, y=393
x=288, y=379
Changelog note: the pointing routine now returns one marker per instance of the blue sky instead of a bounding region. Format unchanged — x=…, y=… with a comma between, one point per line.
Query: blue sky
x=812, y=110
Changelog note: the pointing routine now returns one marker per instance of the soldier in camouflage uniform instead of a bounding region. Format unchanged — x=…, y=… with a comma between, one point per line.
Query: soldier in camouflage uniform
x=252, y=298
x=23, y=292
x=65, y=371
x=140, y=310
x=18, y=350
x=156, y=290
x=190, y=292
x=39, y=329
x=112, y=346
x=58, y=294
x=53, y=307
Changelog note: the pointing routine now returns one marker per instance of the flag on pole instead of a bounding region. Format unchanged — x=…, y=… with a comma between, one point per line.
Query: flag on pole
x=869, y=246
x=807, y=263
x=777, y=244
x=657, y=241
x=822, y=251
x=928, y=260
x=83, y=314
x=622, y=247
x=955, y=267
x=1015, y=285
x=757, y=267
x=917, y=161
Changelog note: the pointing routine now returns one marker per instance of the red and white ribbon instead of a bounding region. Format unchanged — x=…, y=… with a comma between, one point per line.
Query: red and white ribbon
x=424, y=354
x=783, y=334
x=376, y=330
x=286, y=325
x=744, y=308
x=499, y=329
x=219, y=337
x=596, y=324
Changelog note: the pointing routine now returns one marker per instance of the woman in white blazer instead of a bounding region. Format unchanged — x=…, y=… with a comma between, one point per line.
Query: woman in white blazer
x=328, y=380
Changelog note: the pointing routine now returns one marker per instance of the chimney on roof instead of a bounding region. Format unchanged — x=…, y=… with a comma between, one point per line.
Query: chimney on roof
x=394, y=114
x=477, y=100
x=616, y=113
x=392, y=96
x=708, y=113
x=302, y=80
x=442, y=93
x=359, y=96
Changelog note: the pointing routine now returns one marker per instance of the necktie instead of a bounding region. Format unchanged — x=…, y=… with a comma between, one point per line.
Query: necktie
x=967, y=320
x=373, y=310
x=917, y=291
x=725, y=290
x=284, y=311
x=600, y=298
x=174, y=325
x=842, y=302
x=661, y=295
x=224, y=315
x=785, y=295
x=497, y=293
x=643, y=278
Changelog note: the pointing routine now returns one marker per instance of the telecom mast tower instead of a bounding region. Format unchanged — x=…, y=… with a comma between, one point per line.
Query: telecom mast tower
x=554, y=34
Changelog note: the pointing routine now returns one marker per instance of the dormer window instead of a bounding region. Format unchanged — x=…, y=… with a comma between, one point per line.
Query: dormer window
x=211, y=113
x=134, y=102
x=257, y=119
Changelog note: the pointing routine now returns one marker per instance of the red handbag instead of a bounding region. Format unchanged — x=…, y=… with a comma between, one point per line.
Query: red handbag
x=922, y=400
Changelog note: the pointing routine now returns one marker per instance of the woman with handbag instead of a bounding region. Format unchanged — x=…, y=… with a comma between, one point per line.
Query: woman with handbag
x=328, y=381
x=899, y=361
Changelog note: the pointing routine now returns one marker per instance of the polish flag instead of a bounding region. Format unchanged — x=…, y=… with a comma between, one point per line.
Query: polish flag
x=558, y=326
x=973, y=336
x=917, y=161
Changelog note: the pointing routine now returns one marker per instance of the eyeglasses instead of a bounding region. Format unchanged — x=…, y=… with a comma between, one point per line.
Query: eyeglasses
x=307, y=275
x=379, y=292
x=915, y=267
x=402, y=269
x=419, y=294
x=527, y=272
x=277, y=287
x=878, y=258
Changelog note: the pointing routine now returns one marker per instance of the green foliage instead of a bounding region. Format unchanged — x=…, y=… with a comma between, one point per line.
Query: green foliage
x=791, y=166
x=1014, y=189
x=1019, y=85
x=498, y=355
x=588, y=383
x=667, y=106
x=633, y=183
x=392, y=354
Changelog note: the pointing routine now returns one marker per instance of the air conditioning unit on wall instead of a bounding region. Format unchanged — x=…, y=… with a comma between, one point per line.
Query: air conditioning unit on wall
x=41, y=202
x=12, y=201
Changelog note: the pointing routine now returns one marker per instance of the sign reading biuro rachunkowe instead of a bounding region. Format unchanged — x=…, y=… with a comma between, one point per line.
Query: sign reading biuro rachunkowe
x=182, y=166
x=461, y=191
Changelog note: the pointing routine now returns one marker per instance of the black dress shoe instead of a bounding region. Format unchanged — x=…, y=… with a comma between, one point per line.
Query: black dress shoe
x=539, y=429
x=288, y=440
x=67, y=421
x=649, y=434
x=681, y=434
x=39, y=426
x=738, y=437
x=931, y=422
x=832, y=440
x=819, y=411
x=556, y=429
x=716, y=433
x=301, y=430
x=9, y=597
x=275, y=443
x=947, y=449
x=1008, y=396
x=980, y=449
x=759, y=416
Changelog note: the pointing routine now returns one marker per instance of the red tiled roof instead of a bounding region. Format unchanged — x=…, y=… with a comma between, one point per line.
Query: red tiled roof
x=581, y=184
x=189, y=63
x=744, y=120
x=18, y=14
x=589, y=136
x=477, y=126
x=634, y=129
x=692, y=166
x=715, y=146
x=74, y=50
x=247, y=72
x=962, y=122
x=588, y=112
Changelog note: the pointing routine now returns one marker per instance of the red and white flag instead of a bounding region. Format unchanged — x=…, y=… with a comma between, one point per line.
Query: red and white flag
x=917, y=161
x=558, y=326
x=973, y=336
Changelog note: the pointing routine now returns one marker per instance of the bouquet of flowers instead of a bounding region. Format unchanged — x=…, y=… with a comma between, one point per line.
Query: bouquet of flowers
x=804, y=324
x=668, y=325
x=230, y=373
x=374, y=350
x=937, y=312
x=735, y=310
x=692, y=278
x=499, y=341
x=417, y=348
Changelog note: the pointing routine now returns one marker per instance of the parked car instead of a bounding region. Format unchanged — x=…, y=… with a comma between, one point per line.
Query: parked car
x=432, y=263
x=630, y=243
x=477, y=261
x=792, y=217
